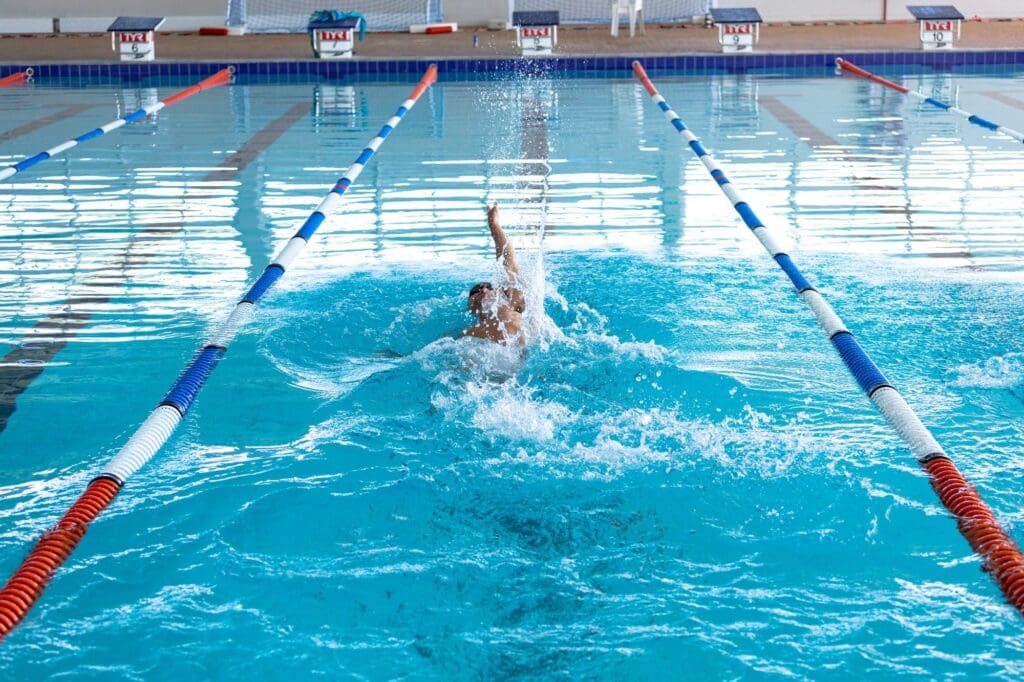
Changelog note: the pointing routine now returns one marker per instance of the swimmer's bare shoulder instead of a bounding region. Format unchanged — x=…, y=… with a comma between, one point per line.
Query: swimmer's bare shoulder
x=502, y=328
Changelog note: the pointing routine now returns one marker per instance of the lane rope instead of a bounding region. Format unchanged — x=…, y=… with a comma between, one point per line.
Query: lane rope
x=30, y=579
x=1002, y=558
x=220, y=78
x=16, y=78
x=973, y=118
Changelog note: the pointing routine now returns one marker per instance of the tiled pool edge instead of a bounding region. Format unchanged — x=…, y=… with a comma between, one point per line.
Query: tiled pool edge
x=454, y=68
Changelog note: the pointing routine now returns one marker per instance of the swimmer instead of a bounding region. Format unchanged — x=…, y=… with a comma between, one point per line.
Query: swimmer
x=498, y=310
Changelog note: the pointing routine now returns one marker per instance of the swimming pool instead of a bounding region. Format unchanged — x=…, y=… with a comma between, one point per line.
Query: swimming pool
x=680, y=473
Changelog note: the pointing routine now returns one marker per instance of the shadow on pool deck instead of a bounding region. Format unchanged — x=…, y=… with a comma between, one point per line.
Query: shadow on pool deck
x=573, y=40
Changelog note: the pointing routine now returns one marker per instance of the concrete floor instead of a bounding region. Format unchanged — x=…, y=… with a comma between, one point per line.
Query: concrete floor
x=573, y=40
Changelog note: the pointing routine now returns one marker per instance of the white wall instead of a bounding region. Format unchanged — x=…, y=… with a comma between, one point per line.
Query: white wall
x=474, y=12
x=869, y=10
x=25, y=16
x=32, y=16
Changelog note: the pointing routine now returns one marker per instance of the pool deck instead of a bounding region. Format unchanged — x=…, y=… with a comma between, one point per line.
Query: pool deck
x=573, y=41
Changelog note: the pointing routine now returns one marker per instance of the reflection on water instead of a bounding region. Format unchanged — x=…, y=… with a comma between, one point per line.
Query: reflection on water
x=677, y=467
x=841, y=167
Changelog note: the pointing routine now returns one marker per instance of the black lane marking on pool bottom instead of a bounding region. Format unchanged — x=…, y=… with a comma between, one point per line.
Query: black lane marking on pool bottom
x=66, y=112
x=27, y=360
x=1005, y=99
x=819, y=139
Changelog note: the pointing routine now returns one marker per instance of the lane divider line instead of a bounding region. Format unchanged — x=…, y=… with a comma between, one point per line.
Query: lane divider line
x=30, y=579
x=32, y=126
x=1002, y=558
x=973, y=118
x=220, y=78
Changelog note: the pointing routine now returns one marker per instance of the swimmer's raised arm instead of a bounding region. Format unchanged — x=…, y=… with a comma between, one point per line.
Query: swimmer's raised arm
x=503, y=250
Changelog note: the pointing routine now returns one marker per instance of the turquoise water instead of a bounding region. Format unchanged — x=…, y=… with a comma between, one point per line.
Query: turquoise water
x=677, y=479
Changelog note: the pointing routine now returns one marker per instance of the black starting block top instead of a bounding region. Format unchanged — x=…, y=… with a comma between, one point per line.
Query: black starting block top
x=548, y=18
x=934, y=12
x=136, y=24
x=347, y=22
x=736, y=15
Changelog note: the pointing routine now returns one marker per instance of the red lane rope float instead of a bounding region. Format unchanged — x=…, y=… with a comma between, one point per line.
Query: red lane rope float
x=976, y=522
x=28, y=582
x=222, y=77
x=14, y=79
x=853, y=68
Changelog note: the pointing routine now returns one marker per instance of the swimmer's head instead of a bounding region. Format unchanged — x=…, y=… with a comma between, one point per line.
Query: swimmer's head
x=478, y=295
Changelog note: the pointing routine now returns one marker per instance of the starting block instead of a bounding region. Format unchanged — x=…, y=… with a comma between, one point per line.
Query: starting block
x=536, y=32
x=937, y=25
x=133, y=39
x=333, y=38
x=739, y=28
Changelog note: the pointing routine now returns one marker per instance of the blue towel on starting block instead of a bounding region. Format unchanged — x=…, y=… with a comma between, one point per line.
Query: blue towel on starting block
x=338, y=15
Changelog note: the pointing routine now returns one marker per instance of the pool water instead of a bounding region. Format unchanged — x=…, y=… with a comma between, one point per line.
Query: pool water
x=677, y=477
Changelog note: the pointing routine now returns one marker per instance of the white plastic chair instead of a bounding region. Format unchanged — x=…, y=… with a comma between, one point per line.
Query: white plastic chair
x=634, y=9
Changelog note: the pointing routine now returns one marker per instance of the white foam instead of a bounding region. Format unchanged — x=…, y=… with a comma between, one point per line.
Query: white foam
x=517, y=414
x=1001, y=371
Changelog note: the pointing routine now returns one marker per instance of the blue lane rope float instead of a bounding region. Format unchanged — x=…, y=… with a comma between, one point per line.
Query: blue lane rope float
x=975, y=520
x=973, y=118
x=26, y=585
x=220, y=78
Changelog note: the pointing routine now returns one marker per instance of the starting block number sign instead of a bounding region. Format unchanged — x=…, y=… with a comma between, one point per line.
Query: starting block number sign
x=134, y=45
x=536, y=32
x=335, y=44
x=741, y=35
x=537, y=38
x=738, y=37
x=938, y=33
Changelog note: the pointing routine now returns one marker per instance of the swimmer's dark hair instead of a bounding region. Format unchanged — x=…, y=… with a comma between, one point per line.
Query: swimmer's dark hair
x=482, y=286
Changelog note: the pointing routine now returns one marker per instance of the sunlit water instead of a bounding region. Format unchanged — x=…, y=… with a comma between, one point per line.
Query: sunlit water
x=677, y=478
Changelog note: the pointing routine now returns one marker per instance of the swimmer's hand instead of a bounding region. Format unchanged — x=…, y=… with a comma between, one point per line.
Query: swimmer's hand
x=492, y=218
x=503, y=250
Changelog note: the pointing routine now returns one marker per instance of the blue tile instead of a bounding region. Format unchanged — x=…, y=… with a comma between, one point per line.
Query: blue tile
x=407, y=70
